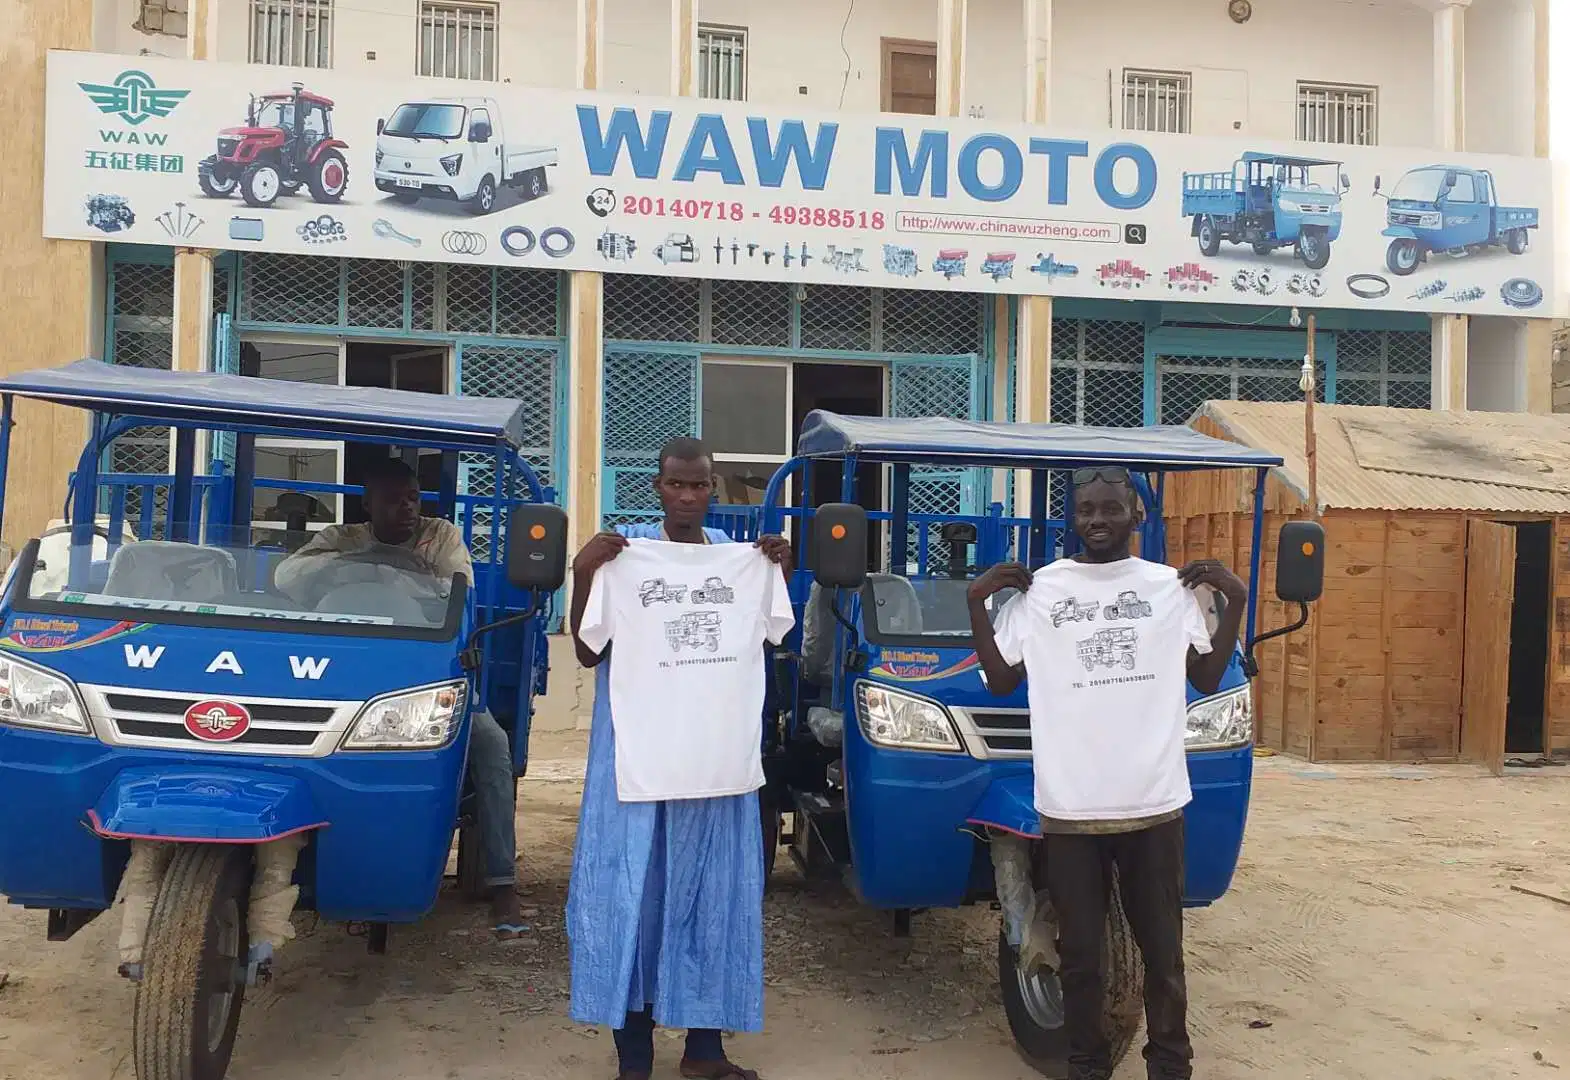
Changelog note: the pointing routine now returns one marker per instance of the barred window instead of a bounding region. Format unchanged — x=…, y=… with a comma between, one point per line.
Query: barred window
x=722, y=62
x=1330, y=113
x=1156, y=101
x=293, y=33
x=458, y=41
x=163, y=17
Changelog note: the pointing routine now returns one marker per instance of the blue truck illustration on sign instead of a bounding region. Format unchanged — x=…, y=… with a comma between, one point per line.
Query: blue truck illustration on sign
x=1451, y=209
x=1268, y=201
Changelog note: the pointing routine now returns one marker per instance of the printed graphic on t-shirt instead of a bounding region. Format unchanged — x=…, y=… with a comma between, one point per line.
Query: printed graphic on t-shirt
x=1115, y=648
x=692, y=631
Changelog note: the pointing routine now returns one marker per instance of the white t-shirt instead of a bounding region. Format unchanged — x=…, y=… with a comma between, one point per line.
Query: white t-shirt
x=1105, y=648
x=688, y=622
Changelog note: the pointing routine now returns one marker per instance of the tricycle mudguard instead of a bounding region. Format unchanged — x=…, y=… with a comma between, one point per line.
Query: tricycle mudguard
x=203, y=805
x=1009, y=803
x=1400, y=232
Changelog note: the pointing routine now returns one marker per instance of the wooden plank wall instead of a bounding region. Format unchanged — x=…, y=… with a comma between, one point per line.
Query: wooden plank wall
x=1559, y=643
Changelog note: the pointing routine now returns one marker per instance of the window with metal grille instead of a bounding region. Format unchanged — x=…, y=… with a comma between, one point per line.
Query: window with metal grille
x=1331, y=113
x=162, y=17
x=294, y=33
x=1383, y=367
x=458, y=41
x=1156, y=101
x=722, y=62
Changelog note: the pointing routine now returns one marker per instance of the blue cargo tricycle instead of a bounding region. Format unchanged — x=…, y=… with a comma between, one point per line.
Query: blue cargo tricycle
x=1268, y=201
x=159, y=694
x=901, y=773
x=1451, y=209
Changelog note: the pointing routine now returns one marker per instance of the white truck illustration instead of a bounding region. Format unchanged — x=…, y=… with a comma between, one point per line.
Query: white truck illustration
x=1115, y=647
x=1071, y=610
x=655, y=591
x=714, y=591
x=456, y=148
x=1127, y=606
x=695, y=630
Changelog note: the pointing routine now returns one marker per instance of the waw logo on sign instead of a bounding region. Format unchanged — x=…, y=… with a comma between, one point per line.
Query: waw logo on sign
x=133, y=97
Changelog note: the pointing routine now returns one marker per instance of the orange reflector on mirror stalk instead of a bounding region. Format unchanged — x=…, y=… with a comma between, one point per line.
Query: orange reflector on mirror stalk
x=838, y=532
x=537, y=532
x=1308, y=548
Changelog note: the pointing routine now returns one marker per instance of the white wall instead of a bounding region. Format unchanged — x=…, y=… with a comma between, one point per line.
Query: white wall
x=1500, y=105
x=1496, y=364
x=113, y=22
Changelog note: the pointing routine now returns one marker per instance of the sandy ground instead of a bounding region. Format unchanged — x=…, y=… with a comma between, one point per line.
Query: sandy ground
x=1371, y=932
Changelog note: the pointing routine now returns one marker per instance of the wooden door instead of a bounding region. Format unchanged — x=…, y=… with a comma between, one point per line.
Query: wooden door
x=910, y=77
x=1485, y=665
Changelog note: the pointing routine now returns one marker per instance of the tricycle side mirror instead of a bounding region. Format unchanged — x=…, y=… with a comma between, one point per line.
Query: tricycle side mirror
x=1376, y=184
x=839, y=546
x=1450, y=180
x=537, y=547
x=1346, y=182
x=1300, y=562
x=381, y=125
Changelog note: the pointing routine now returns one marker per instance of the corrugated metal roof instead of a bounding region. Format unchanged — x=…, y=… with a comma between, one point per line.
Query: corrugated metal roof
x=1501, y=462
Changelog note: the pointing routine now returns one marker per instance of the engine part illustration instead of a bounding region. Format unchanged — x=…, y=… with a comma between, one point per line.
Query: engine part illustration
x=1255, y=281
x=463, y=242
x=676, y=248
x=806, y=256
x=845, y=262
x=387, y=231
x=1521, y=293
x=616, y=246
x=951, y=263
x=1189, y=277
x=178, y=222
x=1368, y=286
x=768, y=257
x=752, y=250
x=735, y=251
x=1122, y=274
x=656, y=591
x=557, y=242
x=601, y=201
x=109, y=213
x=324, y=229
x=1306, y=285
x=998, y=265
x=517, y=241
x=1466, y=296
x=900, y=261
x=1048, y=267
x=1433, y=288
x=785, y=259
x=246, y=228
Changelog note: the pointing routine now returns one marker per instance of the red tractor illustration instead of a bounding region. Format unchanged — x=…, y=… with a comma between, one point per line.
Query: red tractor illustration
x=287, y=142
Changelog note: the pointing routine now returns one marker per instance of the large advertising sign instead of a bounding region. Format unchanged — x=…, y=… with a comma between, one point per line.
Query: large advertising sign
x=232, y=156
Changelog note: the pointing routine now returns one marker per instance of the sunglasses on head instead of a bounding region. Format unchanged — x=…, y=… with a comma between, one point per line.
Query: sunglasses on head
x=1112, y=474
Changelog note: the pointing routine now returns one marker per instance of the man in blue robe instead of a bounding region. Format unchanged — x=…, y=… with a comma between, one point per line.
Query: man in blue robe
x=665, y=907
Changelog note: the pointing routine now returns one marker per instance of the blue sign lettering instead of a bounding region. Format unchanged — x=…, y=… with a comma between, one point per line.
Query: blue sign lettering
x=1145, y=185
x=1057, y=152
x=812, y=166
x=603, y=149
x=969, y=173
x=709, y=149
x=891, y=152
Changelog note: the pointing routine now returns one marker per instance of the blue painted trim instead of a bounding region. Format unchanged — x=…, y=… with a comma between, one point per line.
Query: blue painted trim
x=1150, y=381
x=1327, y=363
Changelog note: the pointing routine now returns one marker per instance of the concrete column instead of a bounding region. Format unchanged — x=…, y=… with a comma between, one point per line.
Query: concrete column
x=1033, y=362
x=585, y=330
x=684, y=48
x=1449, y=332
x=193, y=269
x=1540, y=332
x=952, y=16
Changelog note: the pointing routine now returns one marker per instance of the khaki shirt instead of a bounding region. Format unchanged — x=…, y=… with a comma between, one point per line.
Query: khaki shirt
x=436, y=541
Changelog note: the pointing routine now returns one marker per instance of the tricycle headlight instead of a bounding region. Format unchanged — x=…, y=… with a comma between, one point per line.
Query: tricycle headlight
x=1220, y=722
x=452, y=163
x=423, y=719
x=902, y=721
x=34, y=698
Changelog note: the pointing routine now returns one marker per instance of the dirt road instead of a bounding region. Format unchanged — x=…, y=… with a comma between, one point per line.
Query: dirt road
x=1371, y=932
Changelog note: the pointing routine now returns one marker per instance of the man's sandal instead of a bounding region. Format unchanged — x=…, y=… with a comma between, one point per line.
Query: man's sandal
x=715, y=1070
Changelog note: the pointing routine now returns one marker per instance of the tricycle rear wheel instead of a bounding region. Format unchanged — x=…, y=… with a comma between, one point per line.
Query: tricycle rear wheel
x=1209, y=237
x=1033, y=1002
x=1516, y=240
x=193, y=969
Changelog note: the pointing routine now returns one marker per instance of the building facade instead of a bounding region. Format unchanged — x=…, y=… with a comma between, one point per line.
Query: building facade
x=614, y=362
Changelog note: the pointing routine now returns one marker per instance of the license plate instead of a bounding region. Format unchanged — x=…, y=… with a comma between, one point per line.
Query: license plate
x=407, y=182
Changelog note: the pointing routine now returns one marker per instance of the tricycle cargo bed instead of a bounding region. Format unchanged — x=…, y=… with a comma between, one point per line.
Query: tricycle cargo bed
x=1515, y=217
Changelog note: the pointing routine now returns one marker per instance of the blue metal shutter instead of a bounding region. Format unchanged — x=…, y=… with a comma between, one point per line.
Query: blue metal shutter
x=651, y=395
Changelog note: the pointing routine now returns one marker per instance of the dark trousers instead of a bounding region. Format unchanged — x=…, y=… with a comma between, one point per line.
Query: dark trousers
x=1149, y=865
x=635, y=1044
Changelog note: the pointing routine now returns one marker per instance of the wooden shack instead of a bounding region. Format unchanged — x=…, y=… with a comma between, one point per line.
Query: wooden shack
x=1444, y=629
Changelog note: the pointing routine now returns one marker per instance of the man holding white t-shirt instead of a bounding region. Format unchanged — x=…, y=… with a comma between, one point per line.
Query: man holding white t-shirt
x=665, y=905
x=1106, y=641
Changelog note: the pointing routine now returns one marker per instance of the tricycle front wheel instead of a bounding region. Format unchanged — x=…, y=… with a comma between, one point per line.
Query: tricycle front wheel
x=1314, y=248
x=193, y=970
x=1403, y=255
x=1033, y=1001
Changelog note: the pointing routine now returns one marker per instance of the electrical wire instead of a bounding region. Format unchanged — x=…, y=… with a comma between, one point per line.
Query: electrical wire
x=844, y=26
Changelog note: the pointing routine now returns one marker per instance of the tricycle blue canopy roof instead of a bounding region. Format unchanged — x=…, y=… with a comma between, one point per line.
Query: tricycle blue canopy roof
x=244, y=403
x=1286, y=159
x=980, y=443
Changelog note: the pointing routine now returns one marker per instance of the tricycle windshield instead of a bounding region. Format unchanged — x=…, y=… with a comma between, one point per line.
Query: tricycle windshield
x=933, y=610
x=244, y=588
x=426, y=120
x=1421, y=185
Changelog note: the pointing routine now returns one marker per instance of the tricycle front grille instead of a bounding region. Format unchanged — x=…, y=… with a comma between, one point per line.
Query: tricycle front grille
x=996, y=733
x=123, y=716
x=1399, y=218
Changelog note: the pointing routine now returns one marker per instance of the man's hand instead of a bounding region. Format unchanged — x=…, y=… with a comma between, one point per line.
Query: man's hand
x=777, y=550
x=1211, y=572
x=601, y=549
x=1008, y=575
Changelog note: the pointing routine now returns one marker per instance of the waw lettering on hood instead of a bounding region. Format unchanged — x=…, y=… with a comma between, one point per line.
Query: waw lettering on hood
x=146, y=657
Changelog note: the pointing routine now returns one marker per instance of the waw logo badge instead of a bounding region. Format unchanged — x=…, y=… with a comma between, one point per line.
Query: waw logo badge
x=133, y=97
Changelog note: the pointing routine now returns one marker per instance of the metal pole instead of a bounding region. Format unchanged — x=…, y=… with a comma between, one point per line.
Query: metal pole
x=1310, y=448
